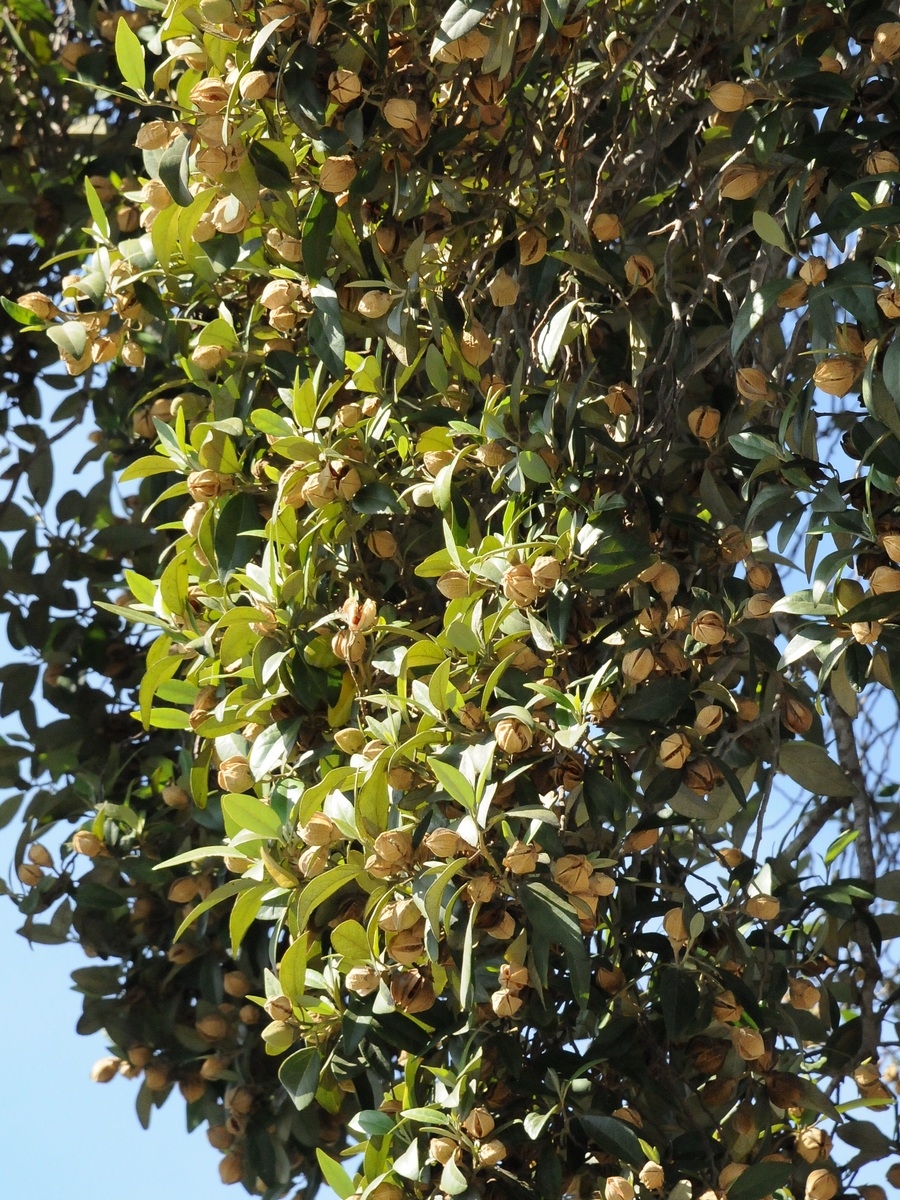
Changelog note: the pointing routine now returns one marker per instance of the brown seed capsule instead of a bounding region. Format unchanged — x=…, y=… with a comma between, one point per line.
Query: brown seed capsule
x=375, y=304
x=821, y=1184
x=639, y=270
x=344, y=87
x=213, y=1027
x=254, y=85
x=748, y=1043
x=442, y=843
x=884, y=580
x=234, y=774
x=882, y=162
x=503, y=289
x=182, y=891
x=336, y=174
x=513, y=736
x=674, y=751
x=674, y=925
x=235, y=984
x=279, y=292
x=442, y=1149
x=521, y=858
x=39, y=855
x=618, y=1188
x=758, y=607
x=725, y=1008
x=475, y=345
x=348, y=645
x=400, y=114
x=803, y=994
x=394, y=846
x=519, y=585
x=813, y=1144
x=886, y=42
x=411, y=991
x=703, y=422
x=505, y=1003
x=753, y=384
x=709, y=719
x=87, y=843
x=730, y=97
x=708, y=627
x=532, y=247
x=606, y=227
x=362, y=981
x=453, y=584
x=793, y=296
x=572, y=872
x=637, y=665
x=701, y=776
x=740, y=181
x=814, y=270
x=479, y=1123
x=893, y=1175
x=105, y=1069
x=835, y=376
x=796, y=716
x=231, y=1168
x=762, y=908
x=39, y=304
x=207, y=485
x=602, y=706
x=546, y=571
x=652, y=1176
x=759, y=576
x=866, y=632
x=319, y=830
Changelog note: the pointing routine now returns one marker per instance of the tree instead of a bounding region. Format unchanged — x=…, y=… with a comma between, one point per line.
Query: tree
x=495, y=375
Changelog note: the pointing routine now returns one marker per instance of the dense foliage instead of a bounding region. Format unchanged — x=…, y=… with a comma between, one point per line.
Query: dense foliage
x=475, y=386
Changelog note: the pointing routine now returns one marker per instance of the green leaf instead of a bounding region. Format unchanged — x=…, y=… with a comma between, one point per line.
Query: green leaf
x=753, y=309
x=453, y=1182
x=810, y=766
x=130, y=56
x=94, y=204
x=326, y=333
x=320, y=889
x=299, y=1075
x=24, y=316
x=554, y=920
x=335, y=1175
x=234, y=547
x=614, y=1136
x=680, y=1000
x=292, y=968
x=551, y=335
x=225, y=892
x=840, y=844
x=271, y=749
x=174, y=171
x=454, y=782
x=317, y=233
x=244, y=912
x=461, y=17
x=768, y=230
x=250, y=813
x=760, y=1180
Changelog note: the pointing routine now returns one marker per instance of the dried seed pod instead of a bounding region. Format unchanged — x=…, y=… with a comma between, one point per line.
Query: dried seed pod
x=87, y=843
x=234, y=774
x=835, y=376
x=606, y=227
x=709, y=628
x=336, y=174
x=821, y=1184
x=639, y=270
x=740, y=181
x=521, y=858
x=814, y=270
x=479, y=1123
x=882, y=162
x=730, y=97
x=703, y=422
x=866, y=632
x=793, y=296
x=513, y=736
x=503, y=289
x=475, y=345
x=748, y=1042
x=886, y=42
x=753, y=384
x=762, y=908
x=709, y=719
x=637, y=665
x=618, y=1188
x=532, y=247
x=344, y=87
x=674, y=751
x=519, y=585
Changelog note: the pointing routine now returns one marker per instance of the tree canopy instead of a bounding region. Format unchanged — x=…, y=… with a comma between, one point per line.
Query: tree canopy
x=475, y=668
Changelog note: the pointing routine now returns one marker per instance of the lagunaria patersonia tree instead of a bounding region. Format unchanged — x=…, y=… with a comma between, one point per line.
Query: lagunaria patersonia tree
x=490, y=365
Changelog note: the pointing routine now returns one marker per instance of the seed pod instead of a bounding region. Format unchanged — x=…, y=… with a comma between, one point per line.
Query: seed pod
x=701, y=776
x=639, y=840
x=394, y=846
x=620, y=399
x=652, y=1177
x=39, y=304
x=835, y=376
x=374, y=304
x=890, y=543
x=235, y=984
x=336, y=174
x=513, y=736
x=40, y=855
x=519, y=585
x=725, y=1008
x=207, y=485
x=30, y=874
x=758, y=607
x=639, y=270
x=730, y=97
x=748, y=1043
x=442, y=1149
x=603, y=706
x=234, y=774
x=182, y=891
x=547, y=572
x=105, y=1069
x=87, y=843
x=893, y=1175
x=411, y=992
x=674, y=751
x=453, y=584
x=362, y=981
x=886, y=42
x=479, y=1123
x=279, y=292
x=887, y=300
x=475, y=345
x=572, y=873
x=400, y=114
x=344, y=87
x=606, y=227
x=882, y=162
x=753, y=384
x=532, y=247
x=618, y=1188
x=793, y=296
x=762, y=908
x=703, y=422
x=821, y=1184
x=503, y=289
x=814, y=270
x=637, y=665
x=803, y=994
x=521, y=858
x=505, y=1003
x=884, y=580
x=254, y=85
x=213, y=1027
x=759, y=576
x=796, y=716
x=740, y=181
x=866, y=632
x=442, y=843
x=674, y=925
x=709, y=719
x=708, y=627
x=492, y=1152
x=231, y=1168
